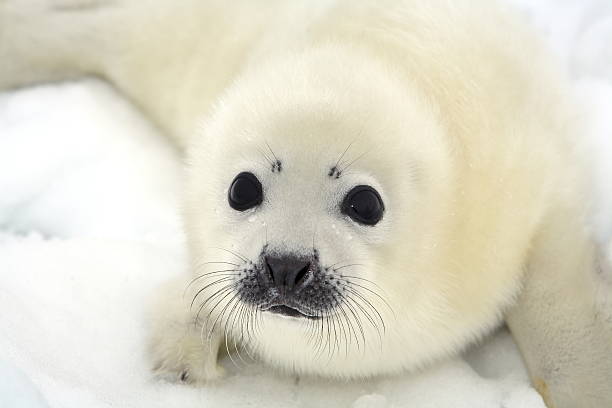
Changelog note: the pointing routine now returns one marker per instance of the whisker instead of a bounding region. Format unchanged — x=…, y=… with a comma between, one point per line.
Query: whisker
x=229, y=278
x=243, y=258
x=215, y=262
x=233, y=301
x=320, y=341
x=372, y=292
x=320, y=338
x=251, y=325
x=242, y=321
x=353, y=161
x=224, y=289
x=368, y=303
x=347, y=340
x=265, y=156
x=212, y=310
x=336, y=345
x=244, y=308
x=350, y=299
x=208, y=274
x=358, y=322
x=257, y=319
x=314, y=234
x=314, y=333
x=346, y=266
x=272, y=151
x=325, y=326
x=364, y=280
x=341, y=262
x=250, y=311
x=239, y=315
x=343, y=153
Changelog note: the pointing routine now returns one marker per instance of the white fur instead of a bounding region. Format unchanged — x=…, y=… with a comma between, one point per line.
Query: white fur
x=449, y=109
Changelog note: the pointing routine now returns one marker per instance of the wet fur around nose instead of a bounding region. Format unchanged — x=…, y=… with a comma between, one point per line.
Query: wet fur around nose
x=316, y=290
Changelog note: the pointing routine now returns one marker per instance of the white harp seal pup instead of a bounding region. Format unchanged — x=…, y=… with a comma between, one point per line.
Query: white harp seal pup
x=371, y=185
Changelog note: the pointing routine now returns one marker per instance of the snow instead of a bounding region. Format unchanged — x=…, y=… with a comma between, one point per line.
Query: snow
x=89, y=227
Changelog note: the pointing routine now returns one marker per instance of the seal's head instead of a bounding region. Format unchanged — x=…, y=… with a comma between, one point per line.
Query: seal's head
x=318, y=212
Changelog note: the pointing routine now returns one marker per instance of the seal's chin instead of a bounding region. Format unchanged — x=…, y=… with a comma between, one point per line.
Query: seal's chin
x=289, y=311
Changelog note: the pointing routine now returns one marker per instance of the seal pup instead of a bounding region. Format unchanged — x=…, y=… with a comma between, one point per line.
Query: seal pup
x=371, y=186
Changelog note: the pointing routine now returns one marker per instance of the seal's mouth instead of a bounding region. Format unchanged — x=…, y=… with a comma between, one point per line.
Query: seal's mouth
x=289, y=311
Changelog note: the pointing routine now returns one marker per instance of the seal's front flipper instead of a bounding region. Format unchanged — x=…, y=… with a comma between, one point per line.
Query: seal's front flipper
x=561, y=322
x=179, y=351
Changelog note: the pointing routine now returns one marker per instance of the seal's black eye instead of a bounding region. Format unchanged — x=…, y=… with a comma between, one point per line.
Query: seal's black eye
x=245, y=192
x=364, y=205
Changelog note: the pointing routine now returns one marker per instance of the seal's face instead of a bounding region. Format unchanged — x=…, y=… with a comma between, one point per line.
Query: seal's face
x=291, y=280
x=324, y=217
x=296, y=244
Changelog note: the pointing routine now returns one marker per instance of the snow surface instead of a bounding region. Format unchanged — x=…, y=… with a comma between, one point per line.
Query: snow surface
x=89, y=227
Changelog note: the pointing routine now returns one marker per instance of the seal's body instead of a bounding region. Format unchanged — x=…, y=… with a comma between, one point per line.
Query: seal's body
x=371, y=185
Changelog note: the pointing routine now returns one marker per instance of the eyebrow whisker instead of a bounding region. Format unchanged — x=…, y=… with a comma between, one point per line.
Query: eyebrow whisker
x=343, y=153
x=353, y=161
x=276, y=163
x=272, y=151
x=270, y=161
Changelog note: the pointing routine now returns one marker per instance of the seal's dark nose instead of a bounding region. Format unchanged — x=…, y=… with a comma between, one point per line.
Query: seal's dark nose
x=288, y=273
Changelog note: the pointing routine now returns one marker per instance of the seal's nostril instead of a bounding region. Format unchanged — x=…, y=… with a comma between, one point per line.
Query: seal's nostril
x=302, y=273
x=270, y=270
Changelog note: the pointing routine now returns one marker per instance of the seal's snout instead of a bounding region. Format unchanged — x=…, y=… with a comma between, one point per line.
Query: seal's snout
x=288, y=273
x=290, y=284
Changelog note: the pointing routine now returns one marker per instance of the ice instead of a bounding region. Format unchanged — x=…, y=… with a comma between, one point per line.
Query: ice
x=89, y=227
x=16, y=390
